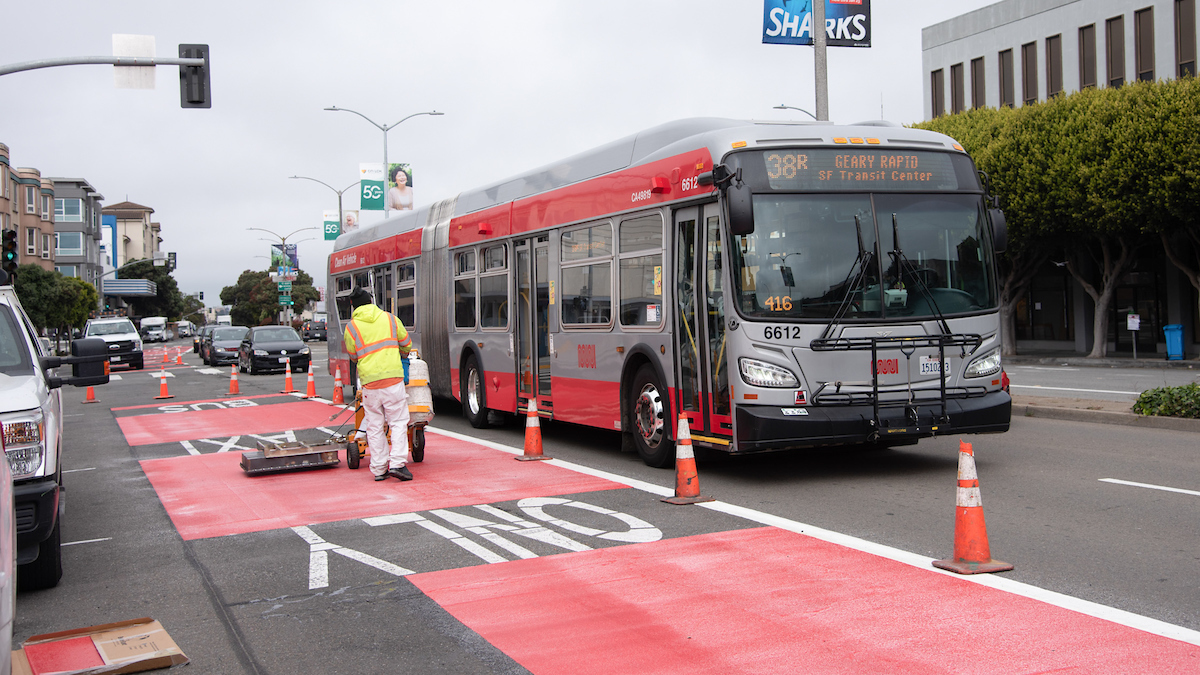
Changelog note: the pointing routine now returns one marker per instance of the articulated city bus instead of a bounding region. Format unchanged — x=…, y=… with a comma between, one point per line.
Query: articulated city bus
x=783, y=285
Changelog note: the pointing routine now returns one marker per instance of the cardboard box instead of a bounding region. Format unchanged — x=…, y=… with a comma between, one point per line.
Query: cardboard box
x=113, y=648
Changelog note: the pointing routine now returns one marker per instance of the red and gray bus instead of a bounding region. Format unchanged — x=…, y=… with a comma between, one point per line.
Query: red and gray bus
x=782, y=285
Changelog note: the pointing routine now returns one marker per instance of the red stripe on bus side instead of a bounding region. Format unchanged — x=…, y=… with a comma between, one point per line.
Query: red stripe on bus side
x=403, y=245
x=592, y=402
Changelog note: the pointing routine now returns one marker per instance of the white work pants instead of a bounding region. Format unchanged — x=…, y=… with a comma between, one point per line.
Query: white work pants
x=391, y=405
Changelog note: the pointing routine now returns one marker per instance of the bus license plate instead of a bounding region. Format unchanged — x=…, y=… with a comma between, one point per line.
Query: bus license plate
x=931, y=365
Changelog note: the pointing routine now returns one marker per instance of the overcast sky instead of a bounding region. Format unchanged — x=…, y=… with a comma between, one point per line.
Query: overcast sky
x=522, y=84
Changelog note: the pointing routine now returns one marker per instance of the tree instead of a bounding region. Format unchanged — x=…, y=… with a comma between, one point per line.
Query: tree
x=38, y=290
x=255, y=298
x=167, y=302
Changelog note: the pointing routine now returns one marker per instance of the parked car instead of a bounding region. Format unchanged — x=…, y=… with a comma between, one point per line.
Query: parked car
x=223, y=343
x=198, y=337
x=124, y=343
x=314, y=330
x=31, y=416
x=271, y=348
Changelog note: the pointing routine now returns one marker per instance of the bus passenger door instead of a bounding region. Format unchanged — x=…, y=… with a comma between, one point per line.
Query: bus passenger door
x=700, y=359
x=533, y=322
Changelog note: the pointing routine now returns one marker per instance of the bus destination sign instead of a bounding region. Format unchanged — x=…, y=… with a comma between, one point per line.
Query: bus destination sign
x=859, y=169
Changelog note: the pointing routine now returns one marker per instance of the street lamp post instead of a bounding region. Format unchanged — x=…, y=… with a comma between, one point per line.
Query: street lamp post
x=287, y=312
x=789, y=107
x=385, y=128
x=341, y=216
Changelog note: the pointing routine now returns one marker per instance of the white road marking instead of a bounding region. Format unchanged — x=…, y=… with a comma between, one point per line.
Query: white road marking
x=90, y=468
x=112, y=378
x=86, y=541
x=158, y=374
x=187, y=445
x=1148, y=485
x=210, y=371
x=1086, y=607
x=318, y=558
x=1093, y=391
x=1056, y=369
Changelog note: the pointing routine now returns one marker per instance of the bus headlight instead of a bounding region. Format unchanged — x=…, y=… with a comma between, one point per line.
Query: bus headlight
x=988, y=364
x=761, y=374
x=23, y=445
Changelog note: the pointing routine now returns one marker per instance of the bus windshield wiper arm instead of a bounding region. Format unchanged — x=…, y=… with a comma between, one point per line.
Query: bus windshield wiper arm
x=862, y=263
x=900, y=261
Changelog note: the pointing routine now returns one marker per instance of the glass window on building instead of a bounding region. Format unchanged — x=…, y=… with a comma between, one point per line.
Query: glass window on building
x=68, y=243
x=1185, y=38
x=1143, y=44
x=958, y=94
x=67, y=270
x=1029, y=75
x=978, y=84
x=1087, y=56
x=1054, y=73
x=937, y=89
x=1114, y=50
x=45, y=207
x=68, y=210
x=1047, y=310
x=1006, y=79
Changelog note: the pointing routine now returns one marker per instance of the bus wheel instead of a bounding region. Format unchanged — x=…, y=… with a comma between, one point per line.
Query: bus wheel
x=473, y=397
x=648, y=410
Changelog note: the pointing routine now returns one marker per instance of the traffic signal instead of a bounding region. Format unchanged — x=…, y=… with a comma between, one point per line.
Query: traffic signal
x=171, y=261
x=193, y=80
x=8, y=259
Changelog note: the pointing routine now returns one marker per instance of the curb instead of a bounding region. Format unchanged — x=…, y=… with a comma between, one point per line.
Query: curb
x=1107, y=362
x=1106, y=417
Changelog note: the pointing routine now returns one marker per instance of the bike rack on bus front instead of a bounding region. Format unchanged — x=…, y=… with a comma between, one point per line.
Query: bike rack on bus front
x=906, y=345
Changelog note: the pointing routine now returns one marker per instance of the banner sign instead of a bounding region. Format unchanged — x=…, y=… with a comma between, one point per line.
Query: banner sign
x=284, y=255
x=370, y=183
x=349, y=221
x=400, y=194
x=789, y=22
x=332, y=227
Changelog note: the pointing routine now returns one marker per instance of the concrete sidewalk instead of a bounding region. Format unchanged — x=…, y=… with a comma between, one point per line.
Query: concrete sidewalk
x=1095, y=411
x=1076, y=360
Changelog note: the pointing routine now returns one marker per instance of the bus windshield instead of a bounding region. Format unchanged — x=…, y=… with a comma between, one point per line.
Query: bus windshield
x=811, y=255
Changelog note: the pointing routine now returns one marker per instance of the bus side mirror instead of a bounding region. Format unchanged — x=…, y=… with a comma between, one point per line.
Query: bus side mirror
x=999, y=230
x=741, y=208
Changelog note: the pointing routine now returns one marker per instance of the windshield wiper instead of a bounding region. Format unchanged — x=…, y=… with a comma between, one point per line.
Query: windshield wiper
x=863, y=261
x=901, y=262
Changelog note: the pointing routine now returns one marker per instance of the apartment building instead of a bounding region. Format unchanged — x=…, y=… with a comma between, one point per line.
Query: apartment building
x=135, y=234
x=27, y=207
x=77, y=231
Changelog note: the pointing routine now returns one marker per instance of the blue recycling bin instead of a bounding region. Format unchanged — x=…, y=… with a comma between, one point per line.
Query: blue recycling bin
x=1174, y=333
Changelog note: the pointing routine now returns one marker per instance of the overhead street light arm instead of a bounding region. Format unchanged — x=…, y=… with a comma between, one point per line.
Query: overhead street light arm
x=339, y=192
x=100, y=60
x=791, y=107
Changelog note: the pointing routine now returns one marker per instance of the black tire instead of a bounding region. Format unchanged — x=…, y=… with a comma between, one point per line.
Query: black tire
x=353, y=456
x=649, y=421
x=474, y=395
x=47, y=569
x=241, y=366
x=418, y=445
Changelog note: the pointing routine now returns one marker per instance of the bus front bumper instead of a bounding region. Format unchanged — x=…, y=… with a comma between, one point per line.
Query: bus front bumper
x=765, y=428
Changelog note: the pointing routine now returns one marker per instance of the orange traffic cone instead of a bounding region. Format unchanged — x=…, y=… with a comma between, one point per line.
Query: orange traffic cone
x=311, y=392
x=166, y=357
x=687, y=481
x=972, y=555
x=162, y=385
x=338, y=396
x=91, y=396
x=287, y=381
x=233, y=381
x=533, y=435
x=179, y=357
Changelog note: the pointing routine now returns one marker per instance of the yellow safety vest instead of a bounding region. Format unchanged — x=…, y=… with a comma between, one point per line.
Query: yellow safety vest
x=376, y=340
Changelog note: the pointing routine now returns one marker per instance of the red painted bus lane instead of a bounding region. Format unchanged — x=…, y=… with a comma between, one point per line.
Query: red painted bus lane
x=765, y=600
x=163, y=427
x=210, y=496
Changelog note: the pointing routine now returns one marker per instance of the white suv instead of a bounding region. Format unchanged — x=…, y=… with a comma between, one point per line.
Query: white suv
x=31, y=414
x=124, y=342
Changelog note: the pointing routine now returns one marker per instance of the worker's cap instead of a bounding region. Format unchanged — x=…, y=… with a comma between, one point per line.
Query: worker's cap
x=360, y=297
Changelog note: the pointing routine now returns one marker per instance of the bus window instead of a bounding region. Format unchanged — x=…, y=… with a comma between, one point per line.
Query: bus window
x=493, y=288
x=406, y=292
x=641, y=276
x=587, y=282
x=464, y=289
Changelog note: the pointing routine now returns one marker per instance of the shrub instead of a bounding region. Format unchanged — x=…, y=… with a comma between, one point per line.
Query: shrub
x=1170, y=401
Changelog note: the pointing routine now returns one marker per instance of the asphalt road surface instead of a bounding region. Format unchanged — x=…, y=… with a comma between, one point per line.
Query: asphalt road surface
x=483, y=564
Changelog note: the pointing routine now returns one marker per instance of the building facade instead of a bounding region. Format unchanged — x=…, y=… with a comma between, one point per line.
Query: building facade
x=29, y=211
x=77, y=231
x=1019, y=52
x=135, y=234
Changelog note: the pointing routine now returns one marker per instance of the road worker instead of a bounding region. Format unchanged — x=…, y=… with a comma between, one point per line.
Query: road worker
x=379, y=344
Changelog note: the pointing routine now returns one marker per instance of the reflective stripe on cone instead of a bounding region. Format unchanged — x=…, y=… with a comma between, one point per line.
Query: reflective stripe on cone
x=687, y=481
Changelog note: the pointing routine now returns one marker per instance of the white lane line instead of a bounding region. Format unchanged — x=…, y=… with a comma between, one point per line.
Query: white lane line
x=1119, y=616
x=1056, y=369
x=90, y=468
x=1093, y=391
x=1148, y=485
x=86, y=541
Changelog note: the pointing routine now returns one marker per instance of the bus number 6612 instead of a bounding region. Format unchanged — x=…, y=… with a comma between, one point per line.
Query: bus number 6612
x=782, y=332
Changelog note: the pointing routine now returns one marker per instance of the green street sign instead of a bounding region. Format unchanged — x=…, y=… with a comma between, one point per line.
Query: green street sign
x=286, y=300
x=371, y=187
x=285, y=286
